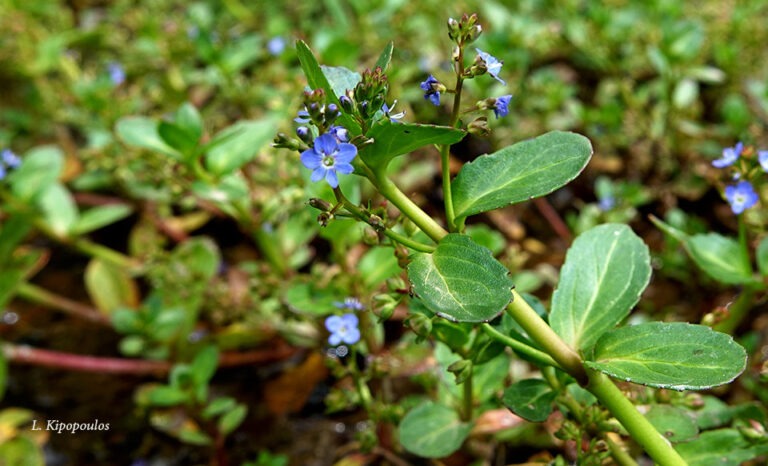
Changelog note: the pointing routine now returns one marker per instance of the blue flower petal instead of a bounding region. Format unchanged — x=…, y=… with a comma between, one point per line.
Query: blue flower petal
x=331, y=178
x=311, y=159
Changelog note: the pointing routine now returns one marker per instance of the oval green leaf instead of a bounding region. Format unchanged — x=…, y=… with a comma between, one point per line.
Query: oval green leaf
x=721, y=447
x=531, y=399
x=393, y=139
x=519, y=172
x=42, y=166
x=110, y=287
x=605, y=271
x=59, y=209
x=461, y=280
x=239, y=144
x=142, y=132
x=675, y=424
x=720, y=257
x=677, y=355
x=432, y=430
x=99, y=217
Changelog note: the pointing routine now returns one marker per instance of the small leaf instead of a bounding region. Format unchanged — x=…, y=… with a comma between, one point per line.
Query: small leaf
x=142, y=132
x=720, y=257
x=340, y=78
x=178, y=138
x=237, y=145
x=377, y=265
x=432, y=430
x=59, y=209
x=385, y=57
x=460, y=280
x=42, y=167
x=12, y=231
x=232, y=419
x=674, y=423
x=205, y=363
x=188, y=119
x=164, y=395
x=393, y=139
x=317, y=80
x=219, y=406
x=110, y=287
x=519, y=172
x=678, y=356
x=605, y=271
x=99, y=217
x=722, y=447
x=761, y=253
x=531, y=399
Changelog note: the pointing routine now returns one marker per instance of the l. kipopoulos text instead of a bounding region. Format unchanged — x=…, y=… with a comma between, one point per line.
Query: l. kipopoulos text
x=59, y=427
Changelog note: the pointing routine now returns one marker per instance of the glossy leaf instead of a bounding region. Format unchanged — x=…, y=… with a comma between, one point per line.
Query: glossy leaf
x=531, y=399
x=317, y=80
x=393, y=139
x=99, y=217
x=42, y=167
x=605, y=271
x=678, y=356
x=432, y=430
x=720, y=257
x=59, y=209
x=142, y=132
x=110, y=287
x=519, y=172
x=722, y=447
x=460, y=280
x=675, y=424
x=240, y=143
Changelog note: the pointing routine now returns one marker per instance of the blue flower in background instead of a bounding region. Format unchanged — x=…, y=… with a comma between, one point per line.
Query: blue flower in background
x=762, y=156
x=327, y=157
x=500, y=108
x=116, y=73
x=741, y=197
x=9, y=159
x=343, y=329
x=275, y=46
x=730, y=155
x=430, y=90
x=492, y=65
x=303, y=116
x=353, y=304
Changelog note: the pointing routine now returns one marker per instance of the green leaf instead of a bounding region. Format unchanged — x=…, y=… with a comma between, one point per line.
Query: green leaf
x=519, y=172
x=232, y=419
x=197, y=258
x=720, y=257
x=166, y=396
x=385, y=57
x=675, y=424
x=432, y=430
x=110, y=287
x=761, y=253
x=219, y=406
x=12, y=231
x=59, y=209
x=178, y=138
x=605, y=271
x=237, y=145
x=189, y=120
x=21, y=451
x=143, y=132
x=722, y=447
x=460, y=280
x=99, y=217
x=42, y=167
x=317, y=80
x=205, y=363
x=531, y=399
x=393, y=139
x=14, y=271
x=377, y=265
x=340, y=78
x=304, y=298
x=677, y=355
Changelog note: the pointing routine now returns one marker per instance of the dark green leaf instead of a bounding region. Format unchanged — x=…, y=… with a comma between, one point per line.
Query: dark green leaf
x=14, y=271
x=317, y=80
x=432, y=430
x=531, y=399
x=42, y=167
x=519, y=172
x=142, y=132
x=99, y=217
x=385, y=57
x=240, y=143
x=675, y=424
x=178, y=138
x=677, y=356
x=722, y=447
x=393, y=139
x=606, y=269
x=460, y=280
x=720, y=257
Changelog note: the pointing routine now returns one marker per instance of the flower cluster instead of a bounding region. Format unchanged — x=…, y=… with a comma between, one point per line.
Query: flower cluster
x=742, y=195
x=8, y=161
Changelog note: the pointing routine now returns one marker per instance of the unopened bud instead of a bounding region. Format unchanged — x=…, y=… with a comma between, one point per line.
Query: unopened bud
x=420, y=324
x=461, y=369
x=479, y=127
x=282, y=141
x=346, y=103
x=370, y=237
x=324, y=218
x=453, y=29
x=304, y=134
x=320, y=204
x=473, y=34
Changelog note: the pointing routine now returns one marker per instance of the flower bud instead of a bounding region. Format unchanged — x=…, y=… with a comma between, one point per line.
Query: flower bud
x=474, y=33
x=461, y=369
x=479, y=127
x=320, y=204
x=304, y=134
x=370, y=237
x=324, y=218
x=420, y=324
x=454, y=32
x=282, y=141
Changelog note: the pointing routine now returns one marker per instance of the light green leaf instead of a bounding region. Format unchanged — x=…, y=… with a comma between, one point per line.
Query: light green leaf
x=385, y=57
x=100, y=216
x=232, y=419
x=519, y=172
x=188, y=119
x=59, y=210
x=606, y=269
x=166, y=396
x=393, y=139
x=722, y=447
x=142, y=132
x=340, y=78
x=677, y=355
x=675, y=424
x=14, y=271
x=42, y=167
x=205, y=363
x=178, y=138
x=377, y=265
x=720, y=257
x=21, y=451
x=241, y=142
x=110, y=287
x=460, y=280
x=531, y=399
x=432, y=430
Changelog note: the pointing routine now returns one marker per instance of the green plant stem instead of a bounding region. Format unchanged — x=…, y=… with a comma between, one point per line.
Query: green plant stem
x=42, y=296
x=445, y=161
x=543, y=334
x=106, y=254
x=420, y=218
x=636, y=424
x=622, y=457
x=736, y=312
x=539, y=356
x=469, y=401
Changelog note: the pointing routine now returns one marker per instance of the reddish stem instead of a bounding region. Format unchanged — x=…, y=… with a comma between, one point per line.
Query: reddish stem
x=554, y=219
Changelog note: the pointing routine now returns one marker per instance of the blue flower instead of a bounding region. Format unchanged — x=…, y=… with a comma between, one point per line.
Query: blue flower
x=500, y=107
x=492, y=65
x=762, y=156
x=116, y=73
x=303, y=116
x=353, y=304
x=606, y=203
x=430, y=90
x=9, y=159
x=730, y=155
x=275, y=46
x=741, y=197
x=327, y=157
x=343, y=329
x=387, y=110
x=2, y=172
